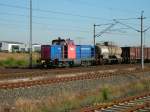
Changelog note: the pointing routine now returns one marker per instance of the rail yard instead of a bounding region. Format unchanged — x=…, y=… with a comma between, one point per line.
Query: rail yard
x=74, y=56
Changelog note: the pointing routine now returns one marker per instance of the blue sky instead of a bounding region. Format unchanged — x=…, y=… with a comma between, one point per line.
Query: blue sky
x=73, y=19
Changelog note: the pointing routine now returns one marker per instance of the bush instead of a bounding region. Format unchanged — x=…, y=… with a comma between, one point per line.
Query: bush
x=105, y=94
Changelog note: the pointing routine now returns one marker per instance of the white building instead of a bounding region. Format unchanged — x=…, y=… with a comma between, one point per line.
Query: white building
x=36, y=47
x=11, y=46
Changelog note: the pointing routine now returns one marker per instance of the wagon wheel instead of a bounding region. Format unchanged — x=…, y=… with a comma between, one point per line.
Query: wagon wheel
x=101, y=61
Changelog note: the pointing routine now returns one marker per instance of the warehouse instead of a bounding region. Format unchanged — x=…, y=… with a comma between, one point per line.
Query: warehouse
x=36, y=47
x=11, y=46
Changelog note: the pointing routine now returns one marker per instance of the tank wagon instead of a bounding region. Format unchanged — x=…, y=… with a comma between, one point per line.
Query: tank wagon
x=108, y=53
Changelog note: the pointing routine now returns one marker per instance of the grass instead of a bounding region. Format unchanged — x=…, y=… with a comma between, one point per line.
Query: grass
x=71, y=101
x=16, y=59
x=11, y=62
x=104, y=94
x=26, y=105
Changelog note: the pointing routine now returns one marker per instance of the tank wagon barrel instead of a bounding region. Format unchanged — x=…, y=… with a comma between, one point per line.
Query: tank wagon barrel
x=108, y=53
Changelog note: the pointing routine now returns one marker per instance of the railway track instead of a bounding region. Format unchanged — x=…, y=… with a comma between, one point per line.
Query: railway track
x=139, y=103
x=24, y=73
x=52, y=80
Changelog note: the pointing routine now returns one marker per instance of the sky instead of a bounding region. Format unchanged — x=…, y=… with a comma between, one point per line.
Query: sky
x=74, y=19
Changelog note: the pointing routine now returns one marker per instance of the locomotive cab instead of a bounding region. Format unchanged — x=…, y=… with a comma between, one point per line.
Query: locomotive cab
x=68, y=49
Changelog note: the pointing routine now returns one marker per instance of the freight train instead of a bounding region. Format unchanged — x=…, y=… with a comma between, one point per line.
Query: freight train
x=66, y=53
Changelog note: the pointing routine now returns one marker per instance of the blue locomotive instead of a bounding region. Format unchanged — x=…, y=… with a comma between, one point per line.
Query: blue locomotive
x=66, y=53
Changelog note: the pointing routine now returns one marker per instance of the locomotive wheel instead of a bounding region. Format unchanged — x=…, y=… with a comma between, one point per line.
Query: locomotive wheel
x=44, y=65
x=71, y=64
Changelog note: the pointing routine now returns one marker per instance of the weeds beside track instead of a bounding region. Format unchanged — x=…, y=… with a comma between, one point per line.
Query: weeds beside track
x=129, y=104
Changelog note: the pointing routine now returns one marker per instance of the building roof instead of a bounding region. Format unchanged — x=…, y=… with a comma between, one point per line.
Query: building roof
x=11, y=42
x=36, y=44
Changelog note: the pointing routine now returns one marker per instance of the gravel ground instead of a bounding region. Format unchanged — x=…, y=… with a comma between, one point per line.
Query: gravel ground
x=65, y=70
x=9, y=96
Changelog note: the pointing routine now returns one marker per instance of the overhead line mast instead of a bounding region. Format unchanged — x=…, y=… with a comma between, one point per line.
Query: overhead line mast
x=142, y=48
x=30, y=40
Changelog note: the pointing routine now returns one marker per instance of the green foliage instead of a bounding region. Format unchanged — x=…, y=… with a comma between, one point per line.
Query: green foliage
x=1, y=63
x=98, y=99
x=62, y=106
x=44, y=109
x=88, y=101
x=11, y=62
x=65, y=107
x=21, y=63
x=105, y=94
